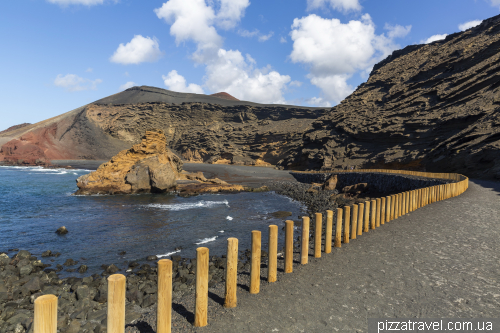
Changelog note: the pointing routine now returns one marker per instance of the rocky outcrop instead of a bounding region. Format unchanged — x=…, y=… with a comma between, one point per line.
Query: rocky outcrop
x=433, y=107
x=148, y=166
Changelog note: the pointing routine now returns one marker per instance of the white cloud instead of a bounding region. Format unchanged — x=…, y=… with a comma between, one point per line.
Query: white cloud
x=495, y=3
x=397, y=31
x=72, y=82
x=89, y=70
x=470, y=24
x=230, y=13
x=334, y=51
x=77, y=2
x=282, y=40
x=191, y=20
x=318, y=101
x=139, y=49
x=246, y=33
x=127, y=85
x=295, y=83
x=177, y=82
x=230, y=72
x=264, y=38
x=126, y=74
x=340, y=5
x=433, y=38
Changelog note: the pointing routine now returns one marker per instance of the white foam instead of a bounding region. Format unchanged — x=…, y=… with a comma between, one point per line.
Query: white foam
x=167, y=254
x=207, y=240
x=186, y=206
x=229, y=218
x=221, y=231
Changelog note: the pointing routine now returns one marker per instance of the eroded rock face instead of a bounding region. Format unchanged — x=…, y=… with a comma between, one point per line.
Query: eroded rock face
x=148, y=166
x=433, y=107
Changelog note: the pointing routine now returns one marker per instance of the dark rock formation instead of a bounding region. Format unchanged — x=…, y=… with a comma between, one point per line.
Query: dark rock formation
x=431, y=107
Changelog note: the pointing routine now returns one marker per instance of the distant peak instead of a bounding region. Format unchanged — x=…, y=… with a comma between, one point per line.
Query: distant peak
x=225, y=95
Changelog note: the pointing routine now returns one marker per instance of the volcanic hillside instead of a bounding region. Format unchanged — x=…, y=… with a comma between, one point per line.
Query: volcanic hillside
x=215, y=129
x=433, y=107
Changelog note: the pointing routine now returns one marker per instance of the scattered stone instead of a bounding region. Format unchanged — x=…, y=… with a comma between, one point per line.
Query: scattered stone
x=82, y=269
x=112, y=269
x=62, y=231
x=70, y=262
x=122, y=253
x=47, y=253
x=281, y=214
x=151, y=258
x=330, y=183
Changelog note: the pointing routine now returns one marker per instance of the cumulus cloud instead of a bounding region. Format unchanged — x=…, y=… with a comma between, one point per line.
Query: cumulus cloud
x=89, y=70
x=226, y=70
x=495, y=3
x=77, y=2
x=139, y=49
x=470, y=24
x=397, y=31
x=236, y=75
x=127, y=85
x=230, y=13
x=282, y=40
x=318, y=101
x=334, y=51
x=176, y=82
x=433, y=38
x=340, y=5
x=72, y=82
x=295, y=83
x=264, y=38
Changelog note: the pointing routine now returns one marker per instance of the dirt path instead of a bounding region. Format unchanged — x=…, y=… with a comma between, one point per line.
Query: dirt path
x=439, y=261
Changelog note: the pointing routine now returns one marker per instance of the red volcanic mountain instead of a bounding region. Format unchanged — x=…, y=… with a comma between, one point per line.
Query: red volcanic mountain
x=225, y=95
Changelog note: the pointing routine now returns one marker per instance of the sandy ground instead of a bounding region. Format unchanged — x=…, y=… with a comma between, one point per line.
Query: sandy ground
x=233, y=174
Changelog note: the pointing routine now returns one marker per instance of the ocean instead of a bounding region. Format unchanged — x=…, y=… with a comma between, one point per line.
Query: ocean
x=34, y=202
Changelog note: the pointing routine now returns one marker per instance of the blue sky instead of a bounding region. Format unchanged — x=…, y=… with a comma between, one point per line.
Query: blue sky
x=57, y=55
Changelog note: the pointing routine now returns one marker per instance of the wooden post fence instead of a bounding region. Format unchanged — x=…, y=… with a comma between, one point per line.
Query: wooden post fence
x=354, y=227
x=164, y=305
x=347, y=219
x=367, y=216
x=230, y=300
x=255, y=262
x=201, y=293
x=272, y=256
x=288, y=247
x=374, y=211
x=45, y=320
x=338, y=229
x=318, y=228
x=328, y=231
x=388, y=209
x=304, y=252
x=116, y=303
x=377, y=218
x=361, y=215
x=382, y=211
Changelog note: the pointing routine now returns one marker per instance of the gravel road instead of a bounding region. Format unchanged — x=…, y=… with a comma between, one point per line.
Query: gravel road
x=440, y=261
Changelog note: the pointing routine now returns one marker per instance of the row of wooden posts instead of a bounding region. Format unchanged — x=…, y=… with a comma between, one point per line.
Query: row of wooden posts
x=356, y=220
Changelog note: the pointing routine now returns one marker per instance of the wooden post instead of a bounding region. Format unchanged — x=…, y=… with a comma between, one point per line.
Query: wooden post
x=45, y=320
x=373, y=213
x=230, y=299
x=382, y=211
x=304, y=252
x=388, y=209
x=338, y=229
x=396, y=206
x=164, y=307
x=318, y=228
x=354, y=226
x=377, y=218
x=347, y=221
x=367, y=216
x=288, y=246
x=116, y=303
x=255, y=262
x=361, y=215
x=201, y=293
x=328, y=231
x=272, y=267
x=393, y=207
x=400, y=204
x=404, y=203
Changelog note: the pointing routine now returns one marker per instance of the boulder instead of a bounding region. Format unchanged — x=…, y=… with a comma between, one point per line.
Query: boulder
x=330, y=183
x=355, y=189
x=62, y=230
x=148, y=166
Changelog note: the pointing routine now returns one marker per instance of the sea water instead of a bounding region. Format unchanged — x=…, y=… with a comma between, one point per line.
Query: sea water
x=34, y=202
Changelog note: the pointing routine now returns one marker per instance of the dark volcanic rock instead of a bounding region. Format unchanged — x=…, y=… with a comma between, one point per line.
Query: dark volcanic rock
x=62, y=231
x=432, y=107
